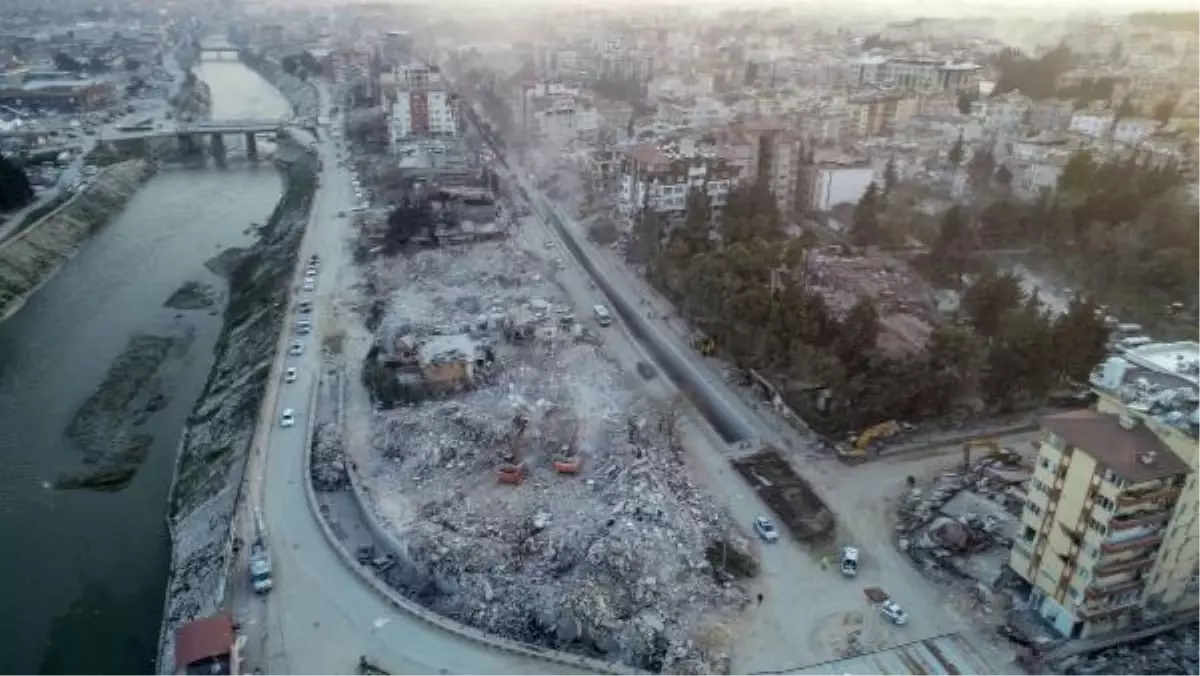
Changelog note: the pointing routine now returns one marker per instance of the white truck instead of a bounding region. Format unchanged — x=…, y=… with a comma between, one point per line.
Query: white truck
x=849, y=561
x=260, y=558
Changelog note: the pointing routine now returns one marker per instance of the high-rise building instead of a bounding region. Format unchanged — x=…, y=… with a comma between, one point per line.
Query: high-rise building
x=1110, y=524
x=424, y=107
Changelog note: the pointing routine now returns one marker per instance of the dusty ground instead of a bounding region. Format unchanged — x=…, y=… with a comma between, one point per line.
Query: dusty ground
x=617, y=561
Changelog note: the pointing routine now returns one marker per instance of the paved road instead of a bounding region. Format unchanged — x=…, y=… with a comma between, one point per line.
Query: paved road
x=321, y=615
x=803, y=618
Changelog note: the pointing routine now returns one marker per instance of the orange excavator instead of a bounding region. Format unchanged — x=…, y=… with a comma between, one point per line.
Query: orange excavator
x=513, y=470
x=568, y=460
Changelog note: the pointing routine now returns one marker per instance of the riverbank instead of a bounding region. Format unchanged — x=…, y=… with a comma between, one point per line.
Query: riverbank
x=302, y=94
x=31, y=258
x=216, y=443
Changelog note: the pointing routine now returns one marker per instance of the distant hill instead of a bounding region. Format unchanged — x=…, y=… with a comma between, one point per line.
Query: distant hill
x=1172, y=21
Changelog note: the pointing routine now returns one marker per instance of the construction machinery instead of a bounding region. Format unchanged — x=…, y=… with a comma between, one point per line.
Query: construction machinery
x=994, y=452
x=703, y=344
x=568, y=461
x=860, y=444
x=513, y=469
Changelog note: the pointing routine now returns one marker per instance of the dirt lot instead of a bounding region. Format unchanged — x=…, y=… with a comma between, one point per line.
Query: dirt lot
x=789, y=496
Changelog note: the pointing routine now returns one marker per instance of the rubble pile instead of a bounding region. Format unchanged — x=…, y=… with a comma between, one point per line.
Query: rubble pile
x=328, y=460
x=1175, y=652
x=942, y=542
x=605, y=559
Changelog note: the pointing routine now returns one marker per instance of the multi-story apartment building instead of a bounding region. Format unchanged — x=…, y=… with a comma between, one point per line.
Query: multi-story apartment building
x=1110, y=524
x=879, y=114
x=661, y=177
x=915, y=74
x=423, y=106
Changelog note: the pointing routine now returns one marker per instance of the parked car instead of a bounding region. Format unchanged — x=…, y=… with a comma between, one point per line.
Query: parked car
x=296, y=349
x=289, y=376
x=303, y=327
x=308, y=284
x=892, y=611
x=288, y=418
x=850, y=561
x=304, y=307
x=765, y=529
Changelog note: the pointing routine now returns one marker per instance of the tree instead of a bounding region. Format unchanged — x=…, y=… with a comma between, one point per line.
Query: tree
x=953, y=247
x=1004, y=178
x=864, y=229
x=1079, y=339
x=858, y=332
x=979, y=170
x=1078, y=174
x=15, y=191
x=964, y=103
x=889, y=177
x=1163, y=110
x=990, y=300
x=956, y=152
x=1126, y=109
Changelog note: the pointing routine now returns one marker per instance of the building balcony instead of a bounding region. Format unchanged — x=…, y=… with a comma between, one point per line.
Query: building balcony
x=1146, y=518
x=1104, y=568
x=1097, y=590
x=1092, y=613
x=1151, y=541
x=1158, y=497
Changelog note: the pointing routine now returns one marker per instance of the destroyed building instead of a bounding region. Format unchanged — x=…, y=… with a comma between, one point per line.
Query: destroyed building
x=544, y=501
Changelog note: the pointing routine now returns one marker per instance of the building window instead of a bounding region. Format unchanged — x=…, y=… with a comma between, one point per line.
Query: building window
x=1037, y=511
x=1105, y=503
x=1098, y=527
x=1029, y=534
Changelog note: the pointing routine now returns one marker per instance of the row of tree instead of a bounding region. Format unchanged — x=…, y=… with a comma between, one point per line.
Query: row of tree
x=15, y=191
x=741, y=281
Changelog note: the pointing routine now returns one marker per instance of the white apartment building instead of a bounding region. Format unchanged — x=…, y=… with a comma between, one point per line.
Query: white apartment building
x=423, y=107
x=662, y=177
x=1093, y=123
x=915, y=74
x=1131, y=131
x=565, y=119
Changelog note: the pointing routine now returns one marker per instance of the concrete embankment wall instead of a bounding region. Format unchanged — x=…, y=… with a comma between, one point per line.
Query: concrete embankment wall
x=30, y=258
x=216, y=443
x=212, y=457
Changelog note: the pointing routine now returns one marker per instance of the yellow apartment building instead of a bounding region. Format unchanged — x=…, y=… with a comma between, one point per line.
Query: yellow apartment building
x=1109, y=536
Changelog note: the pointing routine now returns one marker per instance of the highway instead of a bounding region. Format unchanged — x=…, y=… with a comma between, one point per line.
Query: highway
x=322, y=616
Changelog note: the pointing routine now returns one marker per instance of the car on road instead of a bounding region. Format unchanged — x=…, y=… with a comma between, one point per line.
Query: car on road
x=289, y=376
x=288, y=418
x=304, y=307
x=341, y=214
x=309, y=284
x=765, y=529
x=311, y=271
x=893, y=612
x=358, y=209
x=645, y=370
x=296, y=349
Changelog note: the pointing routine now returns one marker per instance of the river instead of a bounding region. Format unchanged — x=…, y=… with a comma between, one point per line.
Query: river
x=82, y=575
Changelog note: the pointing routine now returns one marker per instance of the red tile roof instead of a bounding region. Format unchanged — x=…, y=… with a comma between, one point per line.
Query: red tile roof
x=202, y=639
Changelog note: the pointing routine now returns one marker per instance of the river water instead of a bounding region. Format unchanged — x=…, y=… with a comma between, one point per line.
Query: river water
x=82, y=574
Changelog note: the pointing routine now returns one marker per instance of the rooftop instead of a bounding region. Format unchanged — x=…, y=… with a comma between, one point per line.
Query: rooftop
x=1178, y=359
x=205, y=646
x=1136, y=454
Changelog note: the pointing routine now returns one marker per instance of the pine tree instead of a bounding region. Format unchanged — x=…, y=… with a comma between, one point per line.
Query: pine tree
x=889, y=177
x=15, y=191
x=864, y=229
x=957, y=152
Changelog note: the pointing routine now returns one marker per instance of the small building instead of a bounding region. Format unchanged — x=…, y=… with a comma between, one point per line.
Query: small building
x=450, y=362
x=207, y=646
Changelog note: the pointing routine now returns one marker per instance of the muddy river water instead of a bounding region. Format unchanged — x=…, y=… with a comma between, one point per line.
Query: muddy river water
x=82, y=574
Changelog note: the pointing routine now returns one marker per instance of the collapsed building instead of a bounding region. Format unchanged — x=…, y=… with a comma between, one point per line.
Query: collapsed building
x=538, y=495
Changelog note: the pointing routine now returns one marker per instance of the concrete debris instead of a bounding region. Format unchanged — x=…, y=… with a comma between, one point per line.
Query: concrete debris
x=595, y=542
x=961, y=526
x=1175, y=652
x=328, y=460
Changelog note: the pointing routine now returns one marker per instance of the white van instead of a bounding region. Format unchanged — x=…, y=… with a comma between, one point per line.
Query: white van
x=602, y=316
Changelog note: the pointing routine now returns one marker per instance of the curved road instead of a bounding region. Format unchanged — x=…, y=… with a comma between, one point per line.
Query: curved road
x=321, y=615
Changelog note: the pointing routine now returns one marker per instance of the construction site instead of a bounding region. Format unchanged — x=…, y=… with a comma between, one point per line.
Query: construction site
x=539, y=495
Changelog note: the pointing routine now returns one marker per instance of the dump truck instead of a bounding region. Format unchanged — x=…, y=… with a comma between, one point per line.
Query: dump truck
x=260, y=558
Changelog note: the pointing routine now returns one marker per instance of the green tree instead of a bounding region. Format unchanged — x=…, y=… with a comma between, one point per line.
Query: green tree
x=889, y=177
x=1126, y=109
x=865, y=228
x=1163, y=110
x=1020, y=358
x=981, y=167
x=953, y=247
x=1079, y=340
x=15, y=191
x=1004, y=178
x=858, y=332
x=990, y=300
x=964, y=103
x=957, y=152
x=1078, y=174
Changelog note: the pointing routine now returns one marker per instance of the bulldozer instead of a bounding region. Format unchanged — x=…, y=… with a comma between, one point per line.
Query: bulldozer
x=703, y=344
x=994, y=450
x=860, y=444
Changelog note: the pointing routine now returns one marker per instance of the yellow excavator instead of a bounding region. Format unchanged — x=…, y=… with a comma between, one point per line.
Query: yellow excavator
x=994, y=452
x=703, y=344
x=859, y=445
